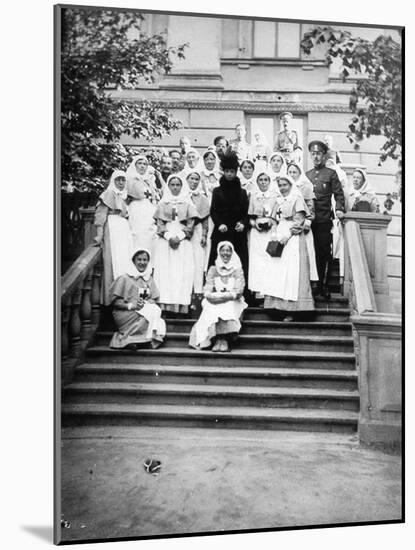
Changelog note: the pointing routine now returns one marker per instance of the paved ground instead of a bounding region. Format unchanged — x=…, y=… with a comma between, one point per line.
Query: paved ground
x=214, y=480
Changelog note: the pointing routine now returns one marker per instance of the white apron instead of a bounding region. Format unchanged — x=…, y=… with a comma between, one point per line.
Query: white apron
x=174, y=269
x=283, y=274
x=142, y=224
x=121, y=244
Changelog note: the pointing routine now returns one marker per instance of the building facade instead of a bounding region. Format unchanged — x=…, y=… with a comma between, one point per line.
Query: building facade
x=250, y=71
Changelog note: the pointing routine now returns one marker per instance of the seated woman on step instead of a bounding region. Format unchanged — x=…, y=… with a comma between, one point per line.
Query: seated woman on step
x=223, y=302
x=136, y=314
x=287, y=285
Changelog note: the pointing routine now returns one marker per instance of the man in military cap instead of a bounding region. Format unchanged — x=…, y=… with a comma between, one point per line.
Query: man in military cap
x=287, y=140
x=326, y=184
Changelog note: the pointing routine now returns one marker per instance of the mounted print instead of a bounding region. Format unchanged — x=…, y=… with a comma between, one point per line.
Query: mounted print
x=229, y=266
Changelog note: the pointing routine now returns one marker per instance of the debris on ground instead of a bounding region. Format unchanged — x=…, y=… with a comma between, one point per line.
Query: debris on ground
x=65, y=524
x=152, y=466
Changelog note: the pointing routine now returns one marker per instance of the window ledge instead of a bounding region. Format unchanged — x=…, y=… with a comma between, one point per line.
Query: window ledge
x=295, y=62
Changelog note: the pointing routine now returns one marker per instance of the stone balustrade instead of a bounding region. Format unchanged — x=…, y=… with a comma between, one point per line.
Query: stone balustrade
x=80, y=308
x=377, y=329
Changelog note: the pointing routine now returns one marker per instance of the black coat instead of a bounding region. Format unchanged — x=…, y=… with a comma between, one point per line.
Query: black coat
x=325, y=184
x=229, y=206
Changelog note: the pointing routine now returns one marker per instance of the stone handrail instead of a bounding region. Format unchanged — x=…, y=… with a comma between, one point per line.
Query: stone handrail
x=377, y=329
x=363, y=296
x=80, y=307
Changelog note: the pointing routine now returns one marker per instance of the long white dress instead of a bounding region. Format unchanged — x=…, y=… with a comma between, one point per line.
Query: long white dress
x=174, y=268
x=117, y=247
x=223, y=318
x=142, y=194
x=288, y=276
x=260, y=208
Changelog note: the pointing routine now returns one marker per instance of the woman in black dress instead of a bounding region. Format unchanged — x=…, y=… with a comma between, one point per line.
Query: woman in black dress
x=229, y=212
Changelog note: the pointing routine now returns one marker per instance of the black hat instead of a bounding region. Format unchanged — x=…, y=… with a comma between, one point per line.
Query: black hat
x=320, y=144
x=229, y=161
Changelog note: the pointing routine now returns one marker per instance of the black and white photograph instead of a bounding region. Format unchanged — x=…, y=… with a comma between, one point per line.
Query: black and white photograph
x=228, y=228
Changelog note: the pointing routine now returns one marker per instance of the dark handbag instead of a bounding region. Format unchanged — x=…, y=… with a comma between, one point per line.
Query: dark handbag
x=274, y=249
x=361, y=206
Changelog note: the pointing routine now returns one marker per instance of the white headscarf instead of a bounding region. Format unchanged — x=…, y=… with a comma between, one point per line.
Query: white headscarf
x=286, y=203
x=112, y=187
x=283, y=169
x=233, y=264
x=199, y=163
x=146, y=274
x=182, y=197
x=199, y=188
x=216, y=168
x=256, y=191
x=148, y=177
x=302, y=181
x=355, y=194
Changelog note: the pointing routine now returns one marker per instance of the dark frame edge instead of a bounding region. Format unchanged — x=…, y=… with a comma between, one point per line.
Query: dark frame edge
x=57, y=15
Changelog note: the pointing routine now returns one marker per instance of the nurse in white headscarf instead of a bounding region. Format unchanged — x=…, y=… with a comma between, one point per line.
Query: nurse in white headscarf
x=261, y=206
x=201, y=226
x=173, y=260
x=113, y=231
x=277, y=168
x=223, y=302
x=210, y=176
x=295, y=171
x=142, y=196
x=362, y=197
x=287, y=287
x=134, y=298
x=193, y=163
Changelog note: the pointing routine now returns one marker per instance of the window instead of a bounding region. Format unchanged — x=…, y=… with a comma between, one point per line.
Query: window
x=247, y=39
x=276, y=40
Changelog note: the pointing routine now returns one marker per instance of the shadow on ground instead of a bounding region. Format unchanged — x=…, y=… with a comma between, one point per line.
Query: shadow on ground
x=44, y=533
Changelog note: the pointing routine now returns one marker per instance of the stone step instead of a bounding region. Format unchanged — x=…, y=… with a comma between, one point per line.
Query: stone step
x=259, y=342
x=274, y=327
x=210, y=395
x=257, y=358
x=321, y=420
x=237, y=376
x=321, y=313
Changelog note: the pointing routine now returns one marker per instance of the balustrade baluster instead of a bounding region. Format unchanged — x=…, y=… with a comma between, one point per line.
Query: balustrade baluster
x=75, y=322
x=86, y=307
x=96, y=294
x=65, y=312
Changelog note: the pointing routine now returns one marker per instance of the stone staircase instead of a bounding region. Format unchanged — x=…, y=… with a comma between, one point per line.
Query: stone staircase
x=291, y=376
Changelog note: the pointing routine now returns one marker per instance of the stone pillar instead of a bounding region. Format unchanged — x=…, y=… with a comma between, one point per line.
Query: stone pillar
x=378, y=340
x=373, y=228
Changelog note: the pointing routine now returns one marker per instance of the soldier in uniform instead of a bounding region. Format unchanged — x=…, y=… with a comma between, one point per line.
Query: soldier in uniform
x=326, y=184
x=287, y=140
